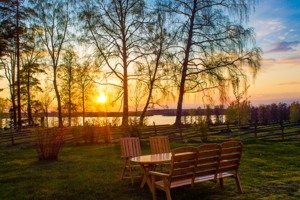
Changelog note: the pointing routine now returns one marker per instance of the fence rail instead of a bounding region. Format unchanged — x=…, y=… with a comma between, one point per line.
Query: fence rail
x=289, y=131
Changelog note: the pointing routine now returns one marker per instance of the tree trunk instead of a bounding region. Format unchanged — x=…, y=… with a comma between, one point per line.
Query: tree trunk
x=18, y=70
x=30, y=120
x=83, y=113
x=125, y=106
x=143, y=114
x=125, y=80
x=60, y=122
x=69, y=106
x=185, y=67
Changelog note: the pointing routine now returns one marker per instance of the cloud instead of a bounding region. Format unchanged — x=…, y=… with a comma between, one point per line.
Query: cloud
x=268, y=98
x=265, y=28
x=289, y=83
x=280, y=63
x=284, y=46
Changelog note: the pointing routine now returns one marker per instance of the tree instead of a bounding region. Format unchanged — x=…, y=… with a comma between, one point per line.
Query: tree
x=153, y=71
x=85, y=81
x=213, y=45
x=114, y=28
x=3, y=109
x=264, y=114
x=274, y=112
x=283, y=112
x=218, y=111
x=12, y=25
x=9, y=66
x=31, y=69
x=239, y=112
x=67, y=76
x=53, y=18
x=47, y=97
x=295, y=112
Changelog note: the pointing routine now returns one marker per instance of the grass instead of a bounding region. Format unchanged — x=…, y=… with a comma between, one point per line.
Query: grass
x=269, y=170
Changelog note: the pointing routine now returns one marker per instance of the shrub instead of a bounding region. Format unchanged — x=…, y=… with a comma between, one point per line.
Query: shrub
x=90, y=134
x=202, y=127
x=49, y=142
x=76, y=132
x=133, y=130
x=105, y=134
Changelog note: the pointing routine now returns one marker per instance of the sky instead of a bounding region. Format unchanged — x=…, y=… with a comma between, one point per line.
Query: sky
x=277, y=27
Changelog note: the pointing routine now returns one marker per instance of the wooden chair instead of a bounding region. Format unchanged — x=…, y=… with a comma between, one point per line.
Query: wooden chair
x=130, y=147
x=159, y=144
x=181, y=173
x=207, y=163
x=230, y=159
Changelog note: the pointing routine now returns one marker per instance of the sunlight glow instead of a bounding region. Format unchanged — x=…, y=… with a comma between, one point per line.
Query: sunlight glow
x=102, y=98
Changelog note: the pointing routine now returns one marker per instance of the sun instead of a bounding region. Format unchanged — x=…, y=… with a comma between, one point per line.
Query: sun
x=102, y=98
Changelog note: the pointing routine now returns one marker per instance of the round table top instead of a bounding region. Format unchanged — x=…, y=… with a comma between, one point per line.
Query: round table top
x=153, y=158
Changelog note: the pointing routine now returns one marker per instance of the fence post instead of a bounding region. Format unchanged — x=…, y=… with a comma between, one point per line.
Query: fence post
x=255, y=129
x=155, y=132
x=282, y=130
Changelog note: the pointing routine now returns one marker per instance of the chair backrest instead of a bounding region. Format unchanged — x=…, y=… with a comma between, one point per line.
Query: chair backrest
x=208, y=160
x=159, y=144
x=230, y=158
x=130, y=147
x=183, y=163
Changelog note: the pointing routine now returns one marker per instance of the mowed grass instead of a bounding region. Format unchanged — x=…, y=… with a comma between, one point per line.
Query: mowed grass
x=269, y=170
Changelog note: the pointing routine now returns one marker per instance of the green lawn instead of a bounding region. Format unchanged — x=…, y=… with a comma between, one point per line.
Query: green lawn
x=269, y=170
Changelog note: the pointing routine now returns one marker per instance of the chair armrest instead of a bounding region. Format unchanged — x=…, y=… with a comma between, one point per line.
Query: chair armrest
x=163, y=175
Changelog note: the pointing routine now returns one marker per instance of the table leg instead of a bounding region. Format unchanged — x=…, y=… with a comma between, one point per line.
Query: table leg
x=146, y=177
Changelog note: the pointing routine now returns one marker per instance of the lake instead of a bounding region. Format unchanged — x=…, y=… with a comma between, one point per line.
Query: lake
x=149, y=120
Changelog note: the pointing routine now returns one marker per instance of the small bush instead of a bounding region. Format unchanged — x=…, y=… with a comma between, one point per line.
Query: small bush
x=106, y=134
x=202, y=127
x=89, y=134
x=133, y=130
x=76, y=132
x=49, y=142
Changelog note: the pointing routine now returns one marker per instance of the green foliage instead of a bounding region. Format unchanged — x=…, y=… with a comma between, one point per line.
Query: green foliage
x=231, y=113
x=238, y=113
x=202, y=126
x=295, y=112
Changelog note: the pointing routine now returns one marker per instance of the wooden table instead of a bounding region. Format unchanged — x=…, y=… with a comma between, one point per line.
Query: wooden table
x=148, y=163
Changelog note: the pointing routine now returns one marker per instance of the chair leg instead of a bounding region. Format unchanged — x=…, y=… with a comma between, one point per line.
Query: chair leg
x=123, y=172
x=131, y=175
x=168, y=193
x=238, y=183
x=153, y=188
x=221, y=183
x=167, y=189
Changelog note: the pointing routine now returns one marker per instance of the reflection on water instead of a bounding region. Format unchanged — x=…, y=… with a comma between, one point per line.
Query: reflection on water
x=116, y=121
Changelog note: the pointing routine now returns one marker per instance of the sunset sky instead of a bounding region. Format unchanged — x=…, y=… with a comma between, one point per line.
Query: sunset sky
x=277, y=27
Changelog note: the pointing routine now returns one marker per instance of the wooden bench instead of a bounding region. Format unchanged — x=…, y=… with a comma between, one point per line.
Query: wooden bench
x=211, y=162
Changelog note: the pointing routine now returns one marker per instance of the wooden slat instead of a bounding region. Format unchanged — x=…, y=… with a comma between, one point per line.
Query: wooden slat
x=159, y=144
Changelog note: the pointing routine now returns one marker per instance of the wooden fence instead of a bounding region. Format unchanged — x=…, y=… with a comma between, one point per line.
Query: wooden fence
x=290, y=131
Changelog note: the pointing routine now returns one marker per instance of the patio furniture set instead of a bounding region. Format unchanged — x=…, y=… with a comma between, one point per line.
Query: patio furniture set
x=165, y=169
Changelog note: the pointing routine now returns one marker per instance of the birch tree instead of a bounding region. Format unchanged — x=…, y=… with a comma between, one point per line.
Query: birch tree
x=114, y=27
x=53, y=18
x=213, y=44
